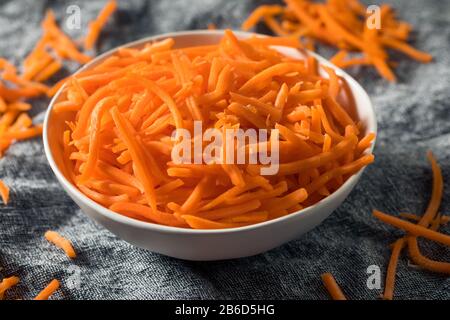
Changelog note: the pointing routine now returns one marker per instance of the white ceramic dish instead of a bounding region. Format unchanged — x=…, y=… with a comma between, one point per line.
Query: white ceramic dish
x=210, y=244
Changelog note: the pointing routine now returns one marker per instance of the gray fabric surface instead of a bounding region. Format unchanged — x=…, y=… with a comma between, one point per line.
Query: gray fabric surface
x=413, y=116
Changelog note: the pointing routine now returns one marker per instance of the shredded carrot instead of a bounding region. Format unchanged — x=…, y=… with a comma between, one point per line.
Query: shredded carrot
x=96, y=26
x=333, y=288
x=426, y=227
x=392, y=269
x=337, y=23
x=7, y=283
x=4, y=192
x=48, y=290
x=61, y=242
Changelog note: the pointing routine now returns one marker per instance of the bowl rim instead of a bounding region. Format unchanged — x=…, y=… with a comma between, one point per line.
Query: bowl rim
x=116, y=217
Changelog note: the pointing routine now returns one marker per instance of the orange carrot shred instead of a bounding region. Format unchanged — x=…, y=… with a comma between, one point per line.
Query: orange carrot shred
x=48, y=290
x=61, y=242
x=96, y=26
x=4, y=192
x=333, y=288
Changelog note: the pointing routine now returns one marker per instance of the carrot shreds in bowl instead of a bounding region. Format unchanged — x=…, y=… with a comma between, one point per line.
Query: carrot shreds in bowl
x=332, y=287
x=121, y=122
x=345, y=25
x=61, y=242
x=48, y=290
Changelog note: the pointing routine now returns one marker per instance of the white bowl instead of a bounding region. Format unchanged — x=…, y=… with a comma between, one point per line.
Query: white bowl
x=206, y=245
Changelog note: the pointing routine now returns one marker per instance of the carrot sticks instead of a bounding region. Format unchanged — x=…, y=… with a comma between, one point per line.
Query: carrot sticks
x=96, y=26
x=4, y=192
x=48, y=290
x=426, y=227
x=337, y=23
x=61, y=242
x=7, y=283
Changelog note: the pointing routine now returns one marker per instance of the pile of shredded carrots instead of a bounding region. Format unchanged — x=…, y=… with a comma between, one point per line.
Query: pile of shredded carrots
x=17, y=87
x=427, y=227
x=345, y=25
x=117, y=147
x=39, y=67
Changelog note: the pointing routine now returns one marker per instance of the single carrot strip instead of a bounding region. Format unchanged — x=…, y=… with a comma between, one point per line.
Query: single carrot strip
x=196, y=195
x=261, y=79
x=48, y=290
x=412, y=228
x=6, y=284
x=333, y=288
x=365, y=142
x=102, y=198
x=230, y=211
x=334, y=82
x=146, y=212
x=137, y=154
x=201, y=223
x=436, y=194
x=326, y=143
x=61, y=242
x=94, y=141
x=4, y=192
x=251, y=217
x=259, y=13
x=406, y=49
x=96, y=26
x=392, y=269
x=282, y=97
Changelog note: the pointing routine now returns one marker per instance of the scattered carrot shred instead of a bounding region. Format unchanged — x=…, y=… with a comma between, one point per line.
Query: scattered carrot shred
x=4, y=192
x=48, y=290
x=392, y=269
x=345, y=25
x=61, y=242
x=96, y=26
x=7, y=283
x=333, y=288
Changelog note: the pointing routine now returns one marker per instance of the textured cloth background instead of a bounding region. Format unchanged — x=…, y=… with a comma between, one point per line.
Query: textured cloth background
x=413, y=116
